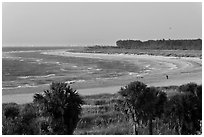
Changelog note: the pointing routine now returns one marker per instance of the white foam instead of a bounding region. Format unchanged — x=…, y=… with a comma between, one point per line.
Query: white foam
x=147, y=66
x=132, y=73
x=22, y=51
x=22, y=86
x=74, y=81
x=80, y=80
x=25, y=77
x=38, y=60
x=147, y=70
x=62, y=69
x=98, y=69
x=10, y=57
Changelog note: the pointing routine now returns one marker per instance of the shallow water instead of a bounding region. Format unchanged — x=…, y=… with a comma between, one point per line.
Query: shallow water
x=28, y=67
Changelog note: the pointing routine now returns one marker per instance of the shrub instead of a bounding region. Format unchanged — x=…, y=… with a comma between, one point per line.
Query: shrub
x=11, y=111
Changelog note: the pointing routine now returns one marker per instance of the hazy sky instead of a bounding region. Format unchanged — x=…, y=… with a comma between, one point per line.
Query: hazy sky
x=99, y=23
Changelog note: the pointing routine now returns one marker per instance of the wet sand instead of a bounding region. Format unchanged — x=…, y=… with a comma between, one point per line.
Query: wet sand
x=179, y=70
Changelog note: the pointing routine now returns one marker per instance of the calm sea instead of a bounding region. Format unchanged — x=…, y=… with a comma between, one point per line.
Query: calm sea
x=29, y=67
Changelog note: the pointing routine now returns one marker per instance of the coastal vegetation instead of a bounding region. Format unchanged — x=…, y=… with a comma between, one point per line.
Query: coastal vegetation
x=195, y=44
x=175, y=48
x=116, y=50
x=135, y=109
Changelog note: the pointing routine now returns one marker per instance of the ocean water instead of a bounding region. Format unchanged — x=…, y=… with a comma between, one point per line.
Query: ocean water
x=29, y=67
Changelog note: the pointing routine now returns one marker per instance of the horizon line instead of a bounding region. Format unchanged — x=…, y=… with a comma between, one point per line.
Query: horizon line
x=17, y=44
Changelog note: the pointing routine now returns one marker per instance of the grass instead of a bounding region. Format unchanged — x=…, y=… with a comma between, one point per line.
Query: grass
x=101, y=117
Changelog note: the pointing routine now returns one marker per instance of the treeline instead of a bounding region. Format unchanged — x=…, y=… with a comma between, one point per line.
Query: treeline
x=161, y=44
x=58, y=111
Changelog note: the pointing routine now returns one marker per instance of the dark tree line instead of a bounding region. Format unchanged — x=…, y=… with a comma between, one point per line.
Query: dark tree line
x=161, y=44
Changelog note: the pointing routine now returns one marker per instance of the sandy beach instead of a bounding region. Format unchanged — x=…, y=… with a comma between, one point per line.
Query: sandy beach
x=180, y=71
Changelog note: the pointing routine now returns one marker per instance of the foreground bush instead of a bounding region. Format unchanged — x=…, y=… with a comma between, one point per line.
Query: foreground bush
x=142, y=104
x=184, y=111
x=61, y=105
x=20, y=121
x=11, y=110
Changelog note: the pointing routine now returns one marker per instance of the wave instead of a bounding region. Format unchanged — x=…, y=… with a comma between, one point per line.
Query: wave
x=10, y=57
x=74, y=66
x=74, y=81
x=31, y=60
x=132, y=73
x=106, y=78
x=45, y=76
x=20, y=51
x=22, y=86
x=173, y=66
x=98, y=69
x=147, y=66
x=50, y=62
x=38, y=60
x=63, y=69
x=147, y=70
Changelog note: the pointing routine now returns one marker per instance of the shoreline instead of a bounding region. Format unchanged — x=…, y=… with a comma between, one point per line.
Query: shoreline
x=181, y=70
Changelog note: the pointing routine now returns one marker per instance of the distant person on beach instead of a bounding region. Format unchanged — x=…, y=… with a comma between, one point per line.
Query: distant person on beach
x=167, y=77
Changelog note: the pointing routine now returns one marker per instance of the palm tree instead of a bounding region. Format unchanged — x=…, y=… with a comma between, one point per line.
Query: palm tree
x=175, y=113
x=184, y=111
x=142, y=103
x=151, y=105
x=130, y=101
x=62, y=106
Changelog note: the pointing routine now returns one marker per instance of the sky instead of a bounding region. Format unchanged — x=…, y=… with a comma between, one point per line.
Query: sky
x=98, y=23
